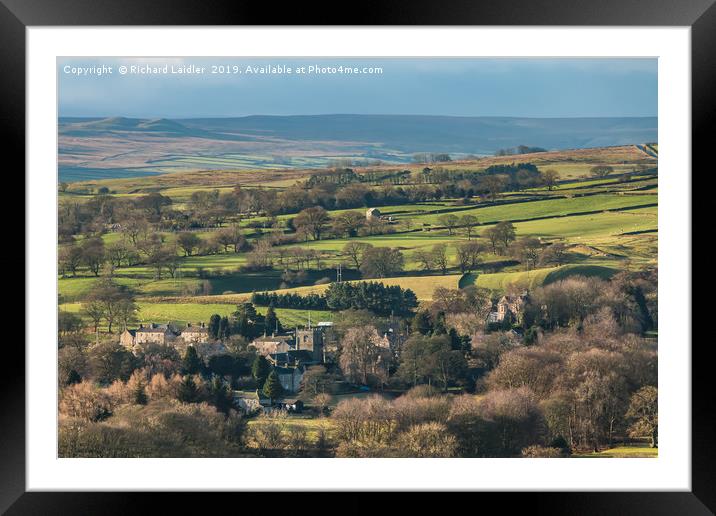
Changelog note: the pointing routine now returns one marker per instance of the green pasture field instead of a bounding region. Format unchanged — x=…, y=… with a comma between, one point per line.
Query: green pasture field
x=644, y=187
x=500, y=281
x=546, y=208
x=81, y=286
x=77, y=288
x=312, y=425
x=633, y=451
x=580, y=228
x=602, y=230
x=182, y=313
x=624, y=238
x=422, y=286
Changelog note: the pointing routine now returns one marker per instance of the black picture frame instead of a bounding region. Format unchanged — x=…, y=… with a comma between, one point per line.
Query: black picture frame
x=700, y=15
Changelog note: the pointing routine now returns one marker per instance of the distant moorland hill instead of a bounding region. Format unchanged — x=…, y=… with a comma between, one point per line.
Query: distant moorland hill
x=94, y=148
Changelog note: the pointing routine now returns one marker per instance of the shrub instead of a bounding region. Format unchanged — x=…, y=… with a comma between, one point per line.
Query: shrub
x=85, y=401
x=427, y=440
x=536, y=451
x=267, y=435
x=423, y=391
x=409, y=411
x=369, y=420
x=158, y=429
x=297, y=438
x=160, y=388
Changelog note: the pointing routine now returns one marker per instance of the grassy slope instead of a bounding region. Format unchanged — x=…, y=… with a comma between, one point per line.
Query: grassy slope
x=547, y=208
x=502, y=280
x=634, y=452
x=181, y=313
x=423, y=286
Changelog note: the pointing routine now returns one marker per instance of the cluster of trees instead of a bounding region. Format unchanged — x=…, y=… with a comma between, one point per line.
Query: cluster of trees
x=511, y=177
x=431, y=157
x=151, y=431
x=576, y=389
x=370, y=295
x=333, y=196
x=109, y=302
x=424, y=423
x=434, y=360
x=502, y=241
x=630, y=298
x=107, y=361
x=458, y=313
x=307, y=302
x=365, y=295
x=601, y=170
x=500, y=236
x=520, y=149
x=452, y=222
x=436, y=258
x=248, y=323
x=582, y=382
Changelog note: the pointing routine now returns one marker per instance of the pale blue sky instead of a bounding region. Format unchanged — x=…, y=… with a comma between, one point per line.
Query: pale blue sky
x=542, y=87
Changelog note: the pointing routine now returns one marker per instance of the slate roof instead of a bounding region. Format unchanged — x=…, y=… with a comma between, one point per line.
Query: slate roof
x=274, y=338
x=290, y=357
x=156, y=328
x=195, y=329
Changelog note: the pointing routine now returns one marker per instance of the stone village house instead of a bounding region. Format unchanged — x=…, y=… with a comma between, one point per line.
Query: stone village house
x=509, y=307
x=290, y=353
x=163, y=334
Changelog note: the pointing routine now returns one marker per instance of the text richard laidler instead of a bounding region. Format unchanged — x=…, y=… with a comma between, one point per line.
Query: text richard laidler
x=193, y=69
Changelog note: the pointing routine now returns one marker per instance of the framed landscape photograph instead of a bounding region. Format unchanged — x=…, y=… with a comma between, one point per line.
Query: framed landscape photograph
x=366, y=258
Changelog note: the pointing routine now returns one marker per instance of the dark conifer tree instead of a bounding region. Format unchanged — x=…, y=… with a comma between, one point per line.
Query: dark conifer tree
x=272, y=388
x=191, y=363
x=188, y=391
x=214, y=322
x=260, y=370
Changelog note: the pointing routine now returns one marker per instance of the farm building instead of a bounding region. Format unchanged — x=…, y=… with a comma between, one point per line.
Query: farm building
x=372, y=214
x=128, y=338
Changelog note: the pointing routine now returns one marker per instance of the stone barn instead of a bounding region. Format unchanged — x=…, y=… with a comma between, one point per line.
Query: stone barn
x=372, y=214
